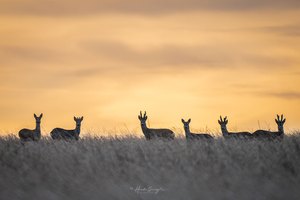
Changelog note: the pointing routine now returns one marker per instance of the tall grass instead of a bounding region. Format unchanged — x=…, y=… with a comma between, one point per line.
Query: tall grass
x=112, y=168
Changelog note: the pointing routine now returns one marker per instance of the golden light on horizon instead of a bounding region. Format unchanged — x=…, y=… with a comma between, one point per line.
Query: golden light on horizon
x=194, y=63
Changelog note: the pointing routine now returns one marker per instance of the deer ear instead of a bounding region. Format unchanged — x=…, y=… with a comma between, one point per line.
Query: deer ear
x=81, y=118
x=219, y=122
x=189, y=121
x=182, y=120
x=41, y=115
x=34, y=115
x=284, y=121
x=74, y=118
x=276, y=121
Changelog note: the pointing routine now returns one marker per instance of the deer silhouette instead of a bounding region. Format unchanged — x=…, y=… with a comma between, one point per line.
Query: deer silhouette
x=227, y=134
x=32, y=135
x=59, y=133
x=151, y=133
x=271, y=135
x=193, y=136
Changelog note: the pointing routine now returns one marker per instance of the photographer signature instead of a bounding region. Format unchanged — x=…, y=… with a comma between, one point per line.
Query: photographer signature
x=147, y=190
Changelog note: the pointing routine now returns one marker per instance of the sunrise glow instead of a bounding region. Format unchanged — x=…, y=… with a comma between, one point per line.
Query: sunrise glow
x=107, y=60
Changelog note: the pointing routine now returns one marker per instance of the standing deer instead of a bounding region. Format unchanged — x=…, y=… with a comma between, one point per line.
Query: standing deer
x=33, y=135
x=59, y=133
x=226, y=134
x=192, y=136
x=154, y=133
x=271, y=135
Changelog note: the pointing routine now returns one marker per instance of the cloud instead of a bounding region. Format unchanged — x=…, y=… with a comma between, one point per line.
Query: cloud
x=181, y=56
x=163, y=55
x=79, y=7
x=25, y=53
x=94, y=57
x=292, y=30
x=285, y=95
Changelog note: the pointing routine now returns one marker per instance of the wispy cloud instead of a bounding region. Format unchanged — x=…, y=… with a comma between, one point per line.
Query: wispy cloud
x=30, y=53
x=107, y=56
x=292, y=30
x=172, y=55
x=284, y=95
x=197, y=56
x=79, y=7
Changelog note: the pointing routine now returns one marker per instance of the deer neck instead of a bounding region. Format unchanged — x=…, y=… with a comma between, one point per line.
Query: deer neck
x=144, y=128
x=224, y=130
x=187, y=130
x=38, y=127
x=77, y=129
x=280, y=129
x=37, y=131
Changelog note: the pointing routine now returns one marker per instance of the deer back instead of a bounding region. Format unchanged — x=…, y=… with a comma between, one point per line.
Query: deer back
x=59, y=133
x=27, y=134
x=239, y=135
x=267, y=134
x=163, y=133
x=198, y=136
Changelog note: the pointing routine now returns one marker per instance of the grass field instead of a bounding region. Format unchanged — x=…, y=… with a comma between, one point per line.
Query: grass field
x=132, y=168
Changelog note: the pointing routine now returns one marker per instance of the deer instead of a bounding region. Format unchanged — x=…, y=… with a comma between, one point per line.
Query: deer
x=32, y=135
x=59, y=133
x=226, y=134
x=280, y=120
x=151, y=133
x=193, y=136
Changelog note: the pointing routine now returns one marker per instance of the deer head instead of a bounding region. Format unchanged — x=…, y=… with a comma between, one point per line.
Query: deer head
x=78, y=121
x=38, y=118
x=223, y=123
x=143, y=118
x=186, y=124
x=280, y=122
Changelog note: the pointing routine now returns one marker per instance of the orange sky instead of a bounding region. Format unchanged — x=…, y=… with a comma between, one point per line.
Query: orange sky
x=107, y=60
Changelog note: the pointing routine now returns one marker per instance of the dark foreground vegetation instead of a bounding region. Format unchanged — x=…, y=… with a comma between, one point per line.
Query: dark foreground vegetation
x=133, y=168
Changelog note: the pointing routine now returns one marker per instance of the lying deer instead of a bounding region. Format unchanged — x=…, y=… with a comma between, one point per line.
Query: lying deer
x=192, y=136
x=151, y=133
x=59, y=133
x=33, y=135
x=227, y=134
x=271, y=135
